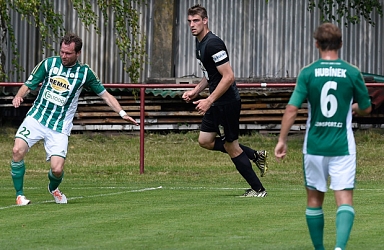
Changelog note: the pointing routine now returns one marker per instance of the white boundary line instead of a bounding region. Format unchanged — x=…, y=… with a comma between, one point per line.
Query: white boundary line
x=156, y=188
x=191, y=188
x=91, y=196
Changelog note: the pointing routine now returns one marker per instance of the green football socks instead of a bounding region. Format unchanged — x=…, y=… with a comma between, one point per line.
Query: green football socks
x=54, y=181
x=345, y=216
x=315, y=222
x=17, y=172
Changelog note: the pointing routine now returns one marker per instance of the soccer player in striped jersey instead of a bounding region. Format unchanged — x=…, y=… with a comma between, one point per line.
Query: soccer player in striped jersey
x=50, y=118
x=335, y=90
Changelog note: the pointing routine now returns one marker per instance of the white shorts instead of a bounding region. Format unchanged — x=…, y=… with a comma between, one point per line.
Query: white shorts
x=340, y=169
x=32, y=131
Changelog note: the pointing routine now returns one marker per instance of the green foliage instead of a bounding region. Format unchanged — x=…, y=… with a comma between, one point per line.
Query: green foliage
x=127, y=30
x=51, y=27
x=41, y=14
x=4, y=25
x=132, y=49
x=33, y=11
x=352, y=10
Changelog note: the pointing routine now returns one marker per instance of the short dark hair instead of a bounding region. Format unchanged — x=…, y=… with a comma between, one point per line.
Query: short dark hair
x=197, y=10
x=72, y=38
x=328, y=37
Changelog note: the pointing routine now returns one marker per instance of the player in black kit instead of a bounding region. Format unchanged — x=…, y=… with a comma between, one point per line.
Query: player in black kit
x=221, y=109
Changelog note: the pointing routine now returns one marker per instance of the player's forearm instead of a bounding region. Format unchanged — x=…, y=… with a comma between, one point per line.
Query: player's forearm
x=23, y=91
x=287, y=122
x=201, y=85
x=111, y=101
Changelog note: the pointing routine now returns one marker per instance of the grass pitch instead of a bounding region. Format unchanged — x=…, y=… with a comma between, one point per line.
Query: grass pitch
x=188, y=197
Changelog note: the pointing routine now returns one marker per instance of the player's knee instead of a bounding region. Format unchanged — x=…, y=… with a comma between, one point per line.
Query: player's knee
x=201, y=144
x=18, y=153
x=57, y=172
x=57, y=166
x=205, y=144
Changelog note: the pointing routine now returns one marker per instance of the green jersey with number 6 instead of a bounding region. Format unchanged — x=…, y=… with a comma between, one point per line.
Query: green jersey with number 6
x=57, y=100
x=330, y=87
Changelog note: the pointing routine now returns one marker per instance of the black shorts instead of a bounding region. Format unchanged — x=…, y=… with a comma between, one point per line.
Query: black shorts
x=223, y=116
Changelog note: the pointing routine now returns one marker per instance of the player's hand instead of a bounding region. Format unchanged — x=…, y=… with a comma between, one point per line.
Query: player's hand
x=355, y=107
x=17, y=100
x=188, y=95
x=280, y=150
x=130, y=119
x=202, y=106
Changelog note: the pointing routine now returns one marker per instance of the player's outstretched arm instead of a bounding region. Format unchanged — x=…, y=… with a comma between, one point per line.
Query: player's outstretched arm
x=114, y=104
x=19, y=97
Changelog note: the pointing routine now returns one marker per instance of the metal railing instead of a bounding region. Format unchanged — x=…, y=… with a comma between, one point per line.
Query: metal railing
x=143, y=86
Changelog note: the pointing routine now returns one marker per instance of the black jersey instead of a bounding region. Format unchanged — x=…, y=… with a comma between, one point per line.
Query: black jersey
x=212, y=52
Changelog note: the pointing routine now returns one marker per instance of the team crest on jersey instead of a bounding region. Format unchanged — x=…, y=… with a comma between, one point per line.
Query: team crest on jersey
x=59, y=83
x=205, y=72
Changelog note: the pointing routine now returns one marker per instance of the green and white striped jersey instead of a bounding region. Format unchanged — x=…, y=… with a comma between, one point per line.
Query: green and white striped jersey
x=57, y=100
x=330, y=86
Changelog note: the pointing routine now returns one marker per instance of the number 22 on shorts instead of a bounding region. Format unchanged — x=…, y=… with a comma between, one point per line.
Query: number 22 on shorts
x=24, y=132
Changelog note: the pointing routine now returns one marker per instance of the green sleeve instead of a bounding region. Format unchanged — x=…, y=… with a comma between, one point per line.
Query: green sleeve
x=94, y=83
x=361, y=94
x=300, y=92
x=37, y=75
